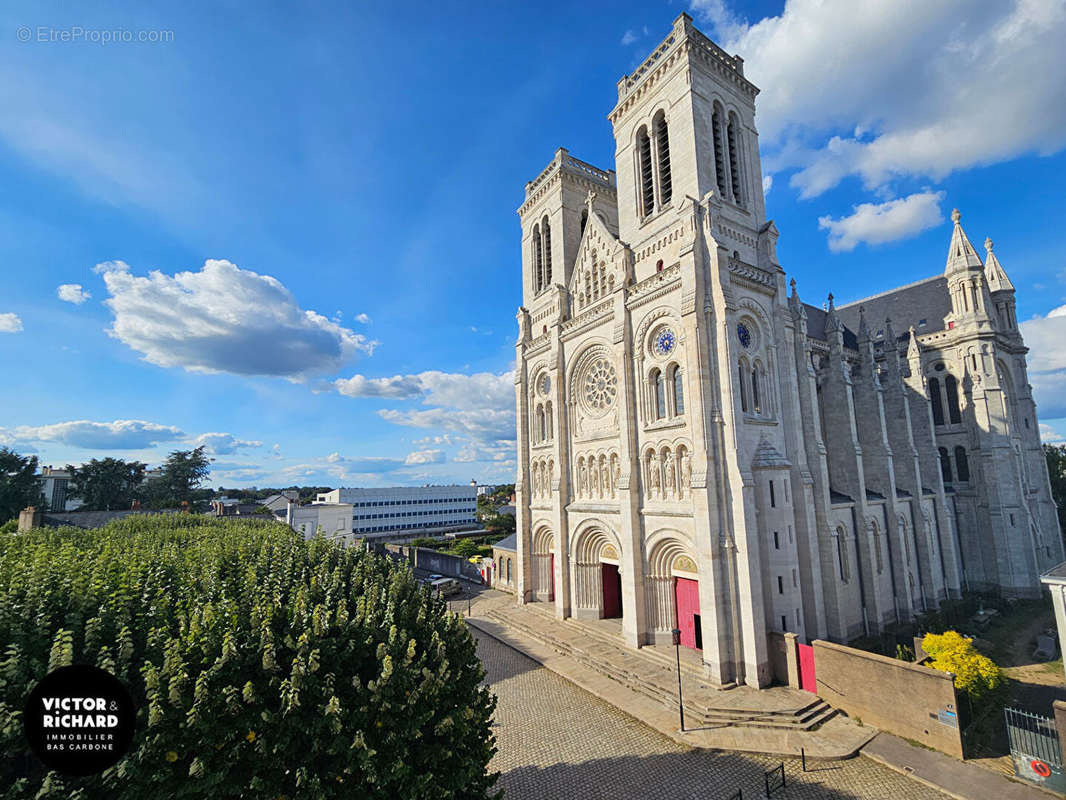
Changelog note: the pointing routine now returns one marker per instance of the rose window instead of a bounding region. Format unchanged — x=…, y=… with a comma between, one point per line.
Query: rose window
x=601, y=385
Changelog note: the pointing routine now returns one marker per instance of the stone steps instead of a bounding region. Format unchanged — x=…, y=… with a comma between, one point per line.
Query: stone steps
x=656, y=678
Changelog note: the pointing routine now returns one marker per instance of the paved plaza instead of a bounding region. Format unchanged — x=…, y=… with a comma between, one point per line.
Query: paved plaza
x=558, y=742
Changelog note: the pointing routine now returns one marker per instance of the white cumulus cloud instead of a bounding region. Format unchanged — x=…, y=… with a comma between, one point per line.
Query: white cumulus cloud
x=224, y=319
x=223, y=443
x=904, y=88
x=122, y=434
x=425, y=457
x=877, y=223
x=363, y=319
x=10, y=322
x=72, y=293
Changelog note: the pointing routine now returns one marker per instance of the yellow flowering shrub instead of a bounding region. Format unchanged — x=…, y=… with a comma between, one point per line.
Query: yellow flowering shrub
x=975, y=674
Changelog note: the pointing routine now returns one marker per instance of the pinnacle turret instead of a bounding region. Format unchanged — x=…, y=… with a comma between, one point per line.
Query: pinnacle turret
x=994, y=272
x=961, y=254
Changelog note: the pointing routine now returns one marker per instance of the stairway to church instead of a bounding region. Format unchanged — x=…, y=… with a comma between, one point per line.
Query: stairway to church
x=654, y=674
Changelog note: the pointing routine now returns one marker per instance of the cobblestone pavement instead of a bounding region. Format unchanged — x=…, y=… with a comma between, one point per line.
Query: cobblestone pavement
x=557, y=742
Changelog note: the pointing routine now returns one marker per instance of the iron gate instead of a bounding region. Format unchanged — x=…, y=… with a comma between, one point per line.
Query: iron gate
x=1034, y=748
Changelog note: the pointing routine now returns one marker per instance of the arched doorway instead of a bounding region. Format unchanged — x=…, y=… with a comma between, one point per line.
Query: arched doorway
x=597, y=584
x=542, y=566
x=673, y=598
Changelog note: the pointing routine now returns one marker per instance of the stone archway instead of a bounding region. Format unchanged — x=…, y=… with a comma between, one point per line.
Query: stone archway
x=597, y=590
x=542, y=565
x=672, y=598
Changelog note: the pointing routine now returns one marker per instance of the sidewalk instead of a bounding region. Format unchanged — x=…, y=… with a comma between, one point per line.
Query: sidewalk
x=949, y=775
x=769, y=721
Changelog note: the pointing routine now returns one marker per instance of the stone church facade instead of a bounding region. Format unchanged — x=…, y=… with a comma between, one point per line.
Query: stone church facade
x=699, y=448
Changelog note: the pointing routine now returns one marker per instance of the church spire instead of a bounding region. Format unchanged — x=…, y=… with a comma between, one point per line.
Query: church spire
x=994, y=272
x=961, y=255
x=832, y=321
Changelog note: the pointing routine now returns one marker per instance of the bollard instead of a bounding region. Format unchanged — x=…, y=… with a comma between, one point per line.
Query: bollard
x=803, y=758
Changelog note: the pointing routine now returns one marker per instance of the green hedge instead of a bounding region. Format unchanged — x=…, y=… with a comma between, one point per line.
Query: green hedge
x=263, y=666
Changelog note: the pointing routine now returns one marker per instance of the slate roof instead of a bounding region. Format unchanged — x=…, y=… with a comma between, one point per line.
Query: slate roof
x=510, y=544
x=816, y=326
x=908, y=305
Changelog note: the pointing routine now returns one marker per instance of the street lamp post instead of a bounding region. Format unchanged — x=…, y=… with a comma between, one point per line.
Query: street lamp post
x=677, y=650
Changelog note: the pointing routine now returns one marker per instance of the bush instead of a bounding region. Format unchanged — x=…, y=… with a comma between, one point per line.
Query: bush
x=976, y=675
x=263, y=665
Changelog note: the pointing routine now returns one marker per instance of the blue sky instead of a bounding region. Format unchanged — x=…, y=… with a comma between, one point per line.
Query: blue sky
x=294, y=231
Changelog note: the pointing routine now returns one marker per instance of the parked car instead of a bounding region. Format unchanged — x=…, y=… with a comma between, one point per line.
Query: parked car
x=446, y=587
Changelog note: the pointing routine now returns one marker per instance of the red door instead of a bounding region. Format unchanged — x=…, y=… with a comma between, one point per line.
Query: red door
x=612, y=591
x=687, y=598
x=806, y=659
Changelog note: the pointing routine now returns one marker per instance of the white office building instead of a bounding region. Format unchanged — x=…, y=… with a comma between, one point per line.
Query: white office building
x=332, y=520
x=408, y=508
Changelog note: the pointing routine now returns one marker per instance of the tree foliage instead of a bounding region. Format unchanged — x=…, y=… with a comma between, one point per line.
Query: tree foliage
x=183, y=473
x=1056, y=467
x=975, y=674
x=263, y=665
x=19, y=486
x=106, y=484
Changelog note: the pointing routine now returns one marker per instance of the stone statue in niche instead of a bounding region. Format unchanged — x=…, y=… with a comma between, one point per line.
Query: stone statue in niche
x=654, y=476
x=670, y=475
x=686, y=472
x=616, y=471
x=548, y=478
x=582, y=479
x=605, y=477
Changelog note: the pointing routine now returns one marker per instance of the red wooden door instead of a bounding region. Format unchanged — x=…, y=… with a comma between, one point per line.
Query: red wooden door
x=551, y=571
x=806, y=659
x=687, y=598
x=612, y=591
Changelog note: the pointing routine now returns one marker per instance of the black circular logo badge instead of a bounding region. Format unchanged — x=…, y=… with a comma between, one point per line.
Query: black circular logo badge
x=79, y=720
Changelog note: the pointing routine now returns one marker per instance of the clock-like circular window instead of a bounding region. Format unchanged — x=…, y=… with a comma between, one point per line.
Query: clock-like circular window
x=744, y=335
x=544, y=385
x=665, y=341
x=600, y=385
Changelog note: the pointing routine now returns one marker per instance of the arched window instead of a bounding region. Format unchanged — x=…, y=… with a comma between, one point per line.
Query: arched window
x=952, y=387
x=934, y=397
x=679, y=392
x=538, y=430
x=646, y=184
x=743, y=392
x=584, y=219
x=842, y=555
x=547, y=254
x=756, y=404
x=548, y=420
x=945, y=464
x=538, y=259
x=659, y=265
x=659, y=385
x=500, y=573
x=508, y=570
x=662, y=146
x=962, y=464
x=719, y=148
x=732, y=134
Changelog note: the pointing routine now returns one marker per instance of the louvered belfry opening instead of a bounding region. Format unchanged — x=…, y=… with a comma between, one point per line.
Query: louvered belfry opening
x=647, y=185
x=719, y=149
x=662, y=141
x=734, y=162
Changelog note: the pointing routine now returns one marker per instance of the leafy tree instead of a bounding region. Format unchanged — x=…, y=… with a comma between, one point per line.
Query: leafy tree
x=1056, y=467
x=975, y=674
x=466, y=548
x=500, y=523
x=183, y=473
x=19, y=485
x=106, y=484
x=263, y=665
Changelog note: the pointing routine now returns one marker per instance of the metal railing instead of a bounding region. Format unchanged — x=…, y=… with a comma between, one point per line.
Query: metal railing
x=1033, y=735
